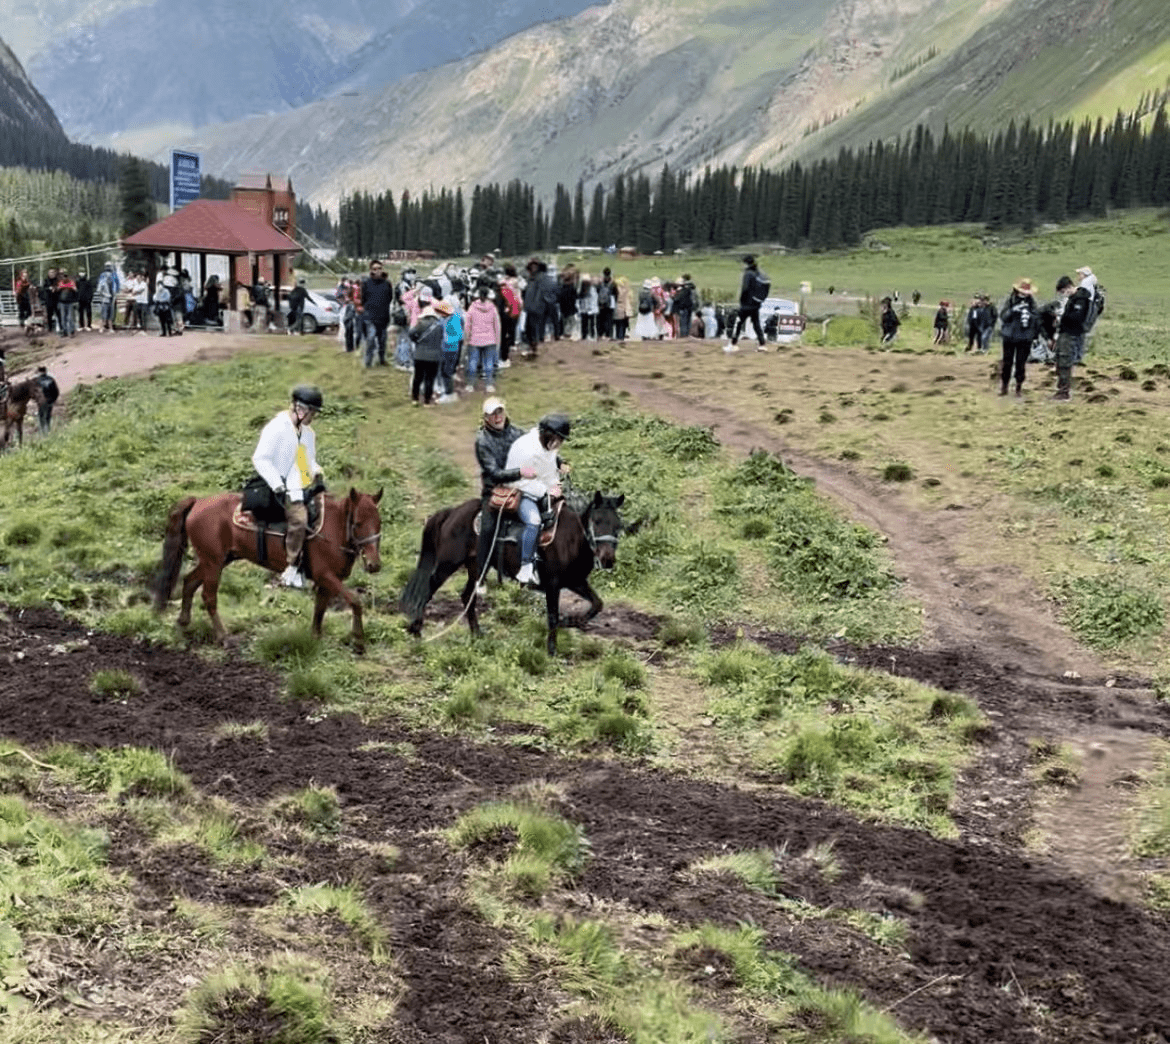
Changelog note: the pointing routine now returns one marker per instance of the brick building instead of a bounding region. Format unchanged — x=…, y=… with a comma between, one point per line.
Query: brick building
x=275, y=206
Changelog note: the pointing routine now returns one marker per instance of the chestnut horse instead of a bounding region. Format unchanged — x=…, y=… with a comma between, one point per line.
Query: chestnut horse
x=15, y=406
x=581, y=540
x=352, y=526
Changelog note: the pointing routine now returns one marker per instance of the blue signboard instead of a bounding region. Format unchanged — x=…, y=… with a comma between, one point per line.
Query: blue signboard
x=184, y=178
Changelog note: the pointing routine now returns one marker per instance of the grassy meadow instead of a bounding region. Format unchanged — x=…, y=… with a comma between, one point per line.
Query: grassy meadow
x=1078, y=496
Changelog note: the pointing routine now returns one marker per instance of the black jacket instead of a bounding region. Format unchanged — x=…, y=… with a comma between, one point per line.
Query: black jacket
x=1018, y=318
x=377, y=297
x=491, y=453
x=48, y=388
x=428, y=335
x=1076, y=312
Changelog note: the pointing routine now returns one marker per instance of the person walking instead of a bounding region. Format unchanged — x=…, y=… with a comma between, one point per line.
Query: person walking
x=889, y=321
x=297, y=297
x=452, y=318
x=286, y=458
x=23, y=290
x=1018, y=319
x=50, y=393
x=942, y=323
x=1070, y=333
x=753, y=290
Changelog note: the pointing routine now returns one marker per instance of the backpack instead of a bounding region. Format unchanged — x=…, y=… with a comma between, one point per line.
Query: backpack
x=511, y=299
x=645, y=302
x=1098, y=306
x=761, y=287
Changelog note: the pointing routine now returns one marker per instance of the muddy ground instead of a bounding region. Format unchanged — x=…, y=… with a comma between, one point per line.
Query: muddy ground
x=1005, y=945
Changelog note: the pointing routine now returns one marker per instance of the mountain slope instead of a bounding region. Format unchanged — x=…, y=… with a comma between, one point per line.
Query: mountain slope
x=22, y=108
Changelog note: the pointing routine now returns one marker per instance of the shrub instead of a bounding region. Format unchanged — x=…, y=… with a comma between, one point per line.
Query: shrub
x=898, y=472
x=1104, y=611
x=23, y=534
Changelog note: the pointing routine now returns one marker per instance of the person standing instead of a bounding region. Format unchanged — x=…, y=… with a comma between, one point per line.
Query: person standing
x=973, y=320
x=23, y=291
x=686, y=304
x=377, y=297
x=1018, y=321
x=492, y=443
x=428, y=337
x=108, y=286
x=1070, y=333
x=49, y=299
x=163, y=310
x=540, y=297
x=753, y=290
x=511, y=306
x=141, y=301
x=988, y=316
x=623, y=306
x=452, y=319
x=587, y=308
x=606, y=299
x=66, y=305
x=50, y=393
x=286, y=458
x=483, y=340
x=297, y=297
x=84, y=301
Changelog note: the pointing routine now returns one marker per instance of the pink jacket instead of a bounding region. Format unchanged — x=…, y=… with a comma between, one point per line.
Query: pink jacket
x=483, y=324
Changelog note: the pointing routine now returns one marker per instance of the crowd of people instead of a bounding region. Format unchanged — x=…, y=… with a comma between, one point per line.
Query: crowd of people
x=64, y=302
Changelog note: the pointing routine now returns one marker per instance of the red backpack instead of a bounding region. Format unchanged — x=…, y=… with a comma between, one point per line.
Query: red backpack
x=511, y=299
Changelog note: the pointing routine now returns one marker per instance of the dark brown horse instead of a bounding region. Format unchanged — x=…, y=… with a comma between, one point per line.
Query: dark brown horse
x=352, y=526
x=15, y=407
x=582, y=540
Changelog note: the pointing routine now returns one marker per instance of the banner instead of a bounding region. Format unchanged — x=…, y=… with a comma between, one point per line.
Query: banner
x=184, y=178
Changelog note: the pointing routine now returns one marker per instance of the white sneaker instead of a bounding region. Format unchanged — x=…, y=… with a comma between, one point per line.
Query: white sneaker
x=526, y=575
x=291, y=577
x=489, y=389
x=729, y=348
x=505, y=364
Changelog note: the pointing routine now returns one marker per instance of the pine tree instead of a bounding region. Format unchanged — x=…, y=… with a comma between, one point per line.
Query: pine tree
x=137, y=205
x=595, y=227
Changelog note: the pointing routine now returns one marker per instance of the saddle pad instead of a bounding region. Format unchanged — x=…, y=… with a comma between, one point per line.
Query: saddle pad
x=245, y=520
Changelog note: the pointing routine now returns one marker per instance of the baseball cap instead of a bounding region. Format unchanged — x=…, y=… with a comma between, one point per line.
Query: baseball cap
x=493, y=403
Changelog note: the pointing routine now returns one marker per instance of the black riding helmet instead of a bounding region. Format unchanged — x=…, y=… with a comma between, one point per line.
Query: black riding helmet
x=308, y=395
x=555, y=424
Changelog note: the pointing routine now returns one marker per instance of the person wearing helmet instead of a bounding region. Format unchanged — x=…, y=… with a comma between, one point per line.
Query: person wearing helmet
x=492, y=443
x=537, y=450
x=286, y=458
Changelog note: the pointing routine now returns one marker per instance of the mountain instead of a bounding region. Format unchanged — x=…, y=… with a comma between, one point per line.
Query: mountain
x=22, y=109
x=111, y=66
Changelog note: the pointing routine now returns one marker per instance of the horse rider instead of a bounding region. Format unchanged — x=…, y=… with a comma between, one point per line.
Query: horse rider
x=492, y=444
x=537, y=449
x=286, y=458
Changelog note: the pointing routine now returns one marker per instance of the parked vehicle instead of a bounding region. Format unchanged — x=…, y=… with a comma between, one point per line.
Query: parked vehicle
x=322, y=311
x=782, y=320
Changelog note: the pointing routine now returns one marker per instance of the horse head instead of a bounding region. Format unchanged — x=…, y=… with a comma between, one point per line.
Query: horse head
x=603, y=526
x=364, y=528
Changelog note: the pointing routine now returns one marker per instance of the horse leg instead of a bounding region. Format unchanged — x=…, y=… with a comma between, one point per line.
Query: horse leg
x=328, y=588
x=442, y=573
x=211, y=602
x=470, y=600
x=552, y=600
x=191, y=583
x=583, y=590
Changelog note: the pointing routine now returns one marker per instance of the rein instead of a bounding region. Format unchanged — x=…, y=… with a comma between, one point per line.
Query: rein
x=592, y=536
x=353, y=545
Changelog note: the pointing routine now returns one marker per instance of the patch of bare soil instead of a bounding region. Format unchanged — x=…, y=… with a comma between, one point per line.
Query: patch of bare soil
x=1002, y=947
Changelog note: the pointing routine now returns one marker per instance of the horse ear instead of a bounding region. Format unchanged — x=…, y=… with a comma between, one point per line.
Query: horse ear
x=353, y=495
x=378, y=496
x=597, y=499
x=619, y=501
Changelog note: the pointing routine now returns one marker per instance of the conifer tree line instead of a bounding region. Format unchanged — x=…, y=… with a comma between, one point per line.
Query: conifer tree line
x=1019, y=176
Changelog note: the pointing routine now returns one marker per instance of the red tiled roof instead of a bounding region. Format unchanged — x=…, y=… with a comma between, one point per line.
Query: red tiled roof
x=213, y=226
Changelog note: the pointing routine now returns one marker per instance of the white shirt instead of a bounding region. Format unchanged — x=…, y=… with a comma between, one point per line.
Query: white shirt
x=527, y=452
x=275, y=459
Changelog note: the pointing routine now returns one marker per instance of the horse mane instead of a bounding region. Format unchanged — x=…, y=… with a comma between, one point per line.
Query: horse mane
x=20, y=393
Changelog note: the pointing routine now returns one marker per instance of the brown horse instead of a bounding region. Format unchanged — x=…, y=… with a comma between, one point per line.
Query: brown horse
x=581, y=540
x=352, y=526
x=16, y=406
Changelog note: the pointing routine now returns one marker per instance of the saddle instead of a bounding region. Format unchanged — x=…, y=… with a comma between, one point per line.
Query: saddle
x=511, y=527
x=242, y=518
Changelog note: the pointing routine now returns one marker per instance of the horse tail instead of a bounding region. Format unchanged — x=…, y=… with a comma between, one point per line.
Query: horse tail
x=174, y=546
x=417, y=592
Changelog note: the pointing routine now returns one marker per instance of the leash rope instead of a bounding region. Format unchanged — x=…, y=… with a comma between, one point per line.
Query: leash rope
x=486, y=566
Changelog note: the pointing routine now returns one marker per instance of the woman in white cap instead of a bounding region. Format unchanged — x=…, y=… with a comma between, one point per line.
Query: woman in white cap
x=492, y=443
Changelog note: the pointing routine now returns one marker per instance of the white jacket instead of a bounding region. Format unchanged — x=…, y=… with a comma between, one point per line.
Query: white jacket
x=275, y=459
x=527, y=452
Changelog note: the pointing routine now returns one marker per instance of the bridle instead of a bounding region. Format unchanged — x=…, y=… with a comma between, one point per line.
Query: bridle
x=594, y=538
x=353, y=545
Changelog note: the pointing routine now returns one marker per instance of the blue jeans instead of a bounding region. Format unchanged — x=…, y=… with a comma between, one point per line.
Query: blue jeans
x=66, y=318
x=375, y=335
x=529, y=512
x=450, y=367
x=404, y=351
x=488, y=355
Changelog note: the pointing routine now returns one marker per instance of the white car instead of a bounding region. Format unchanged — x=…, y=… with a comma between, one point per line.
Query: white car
x=781, y=320
x=322, y=311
